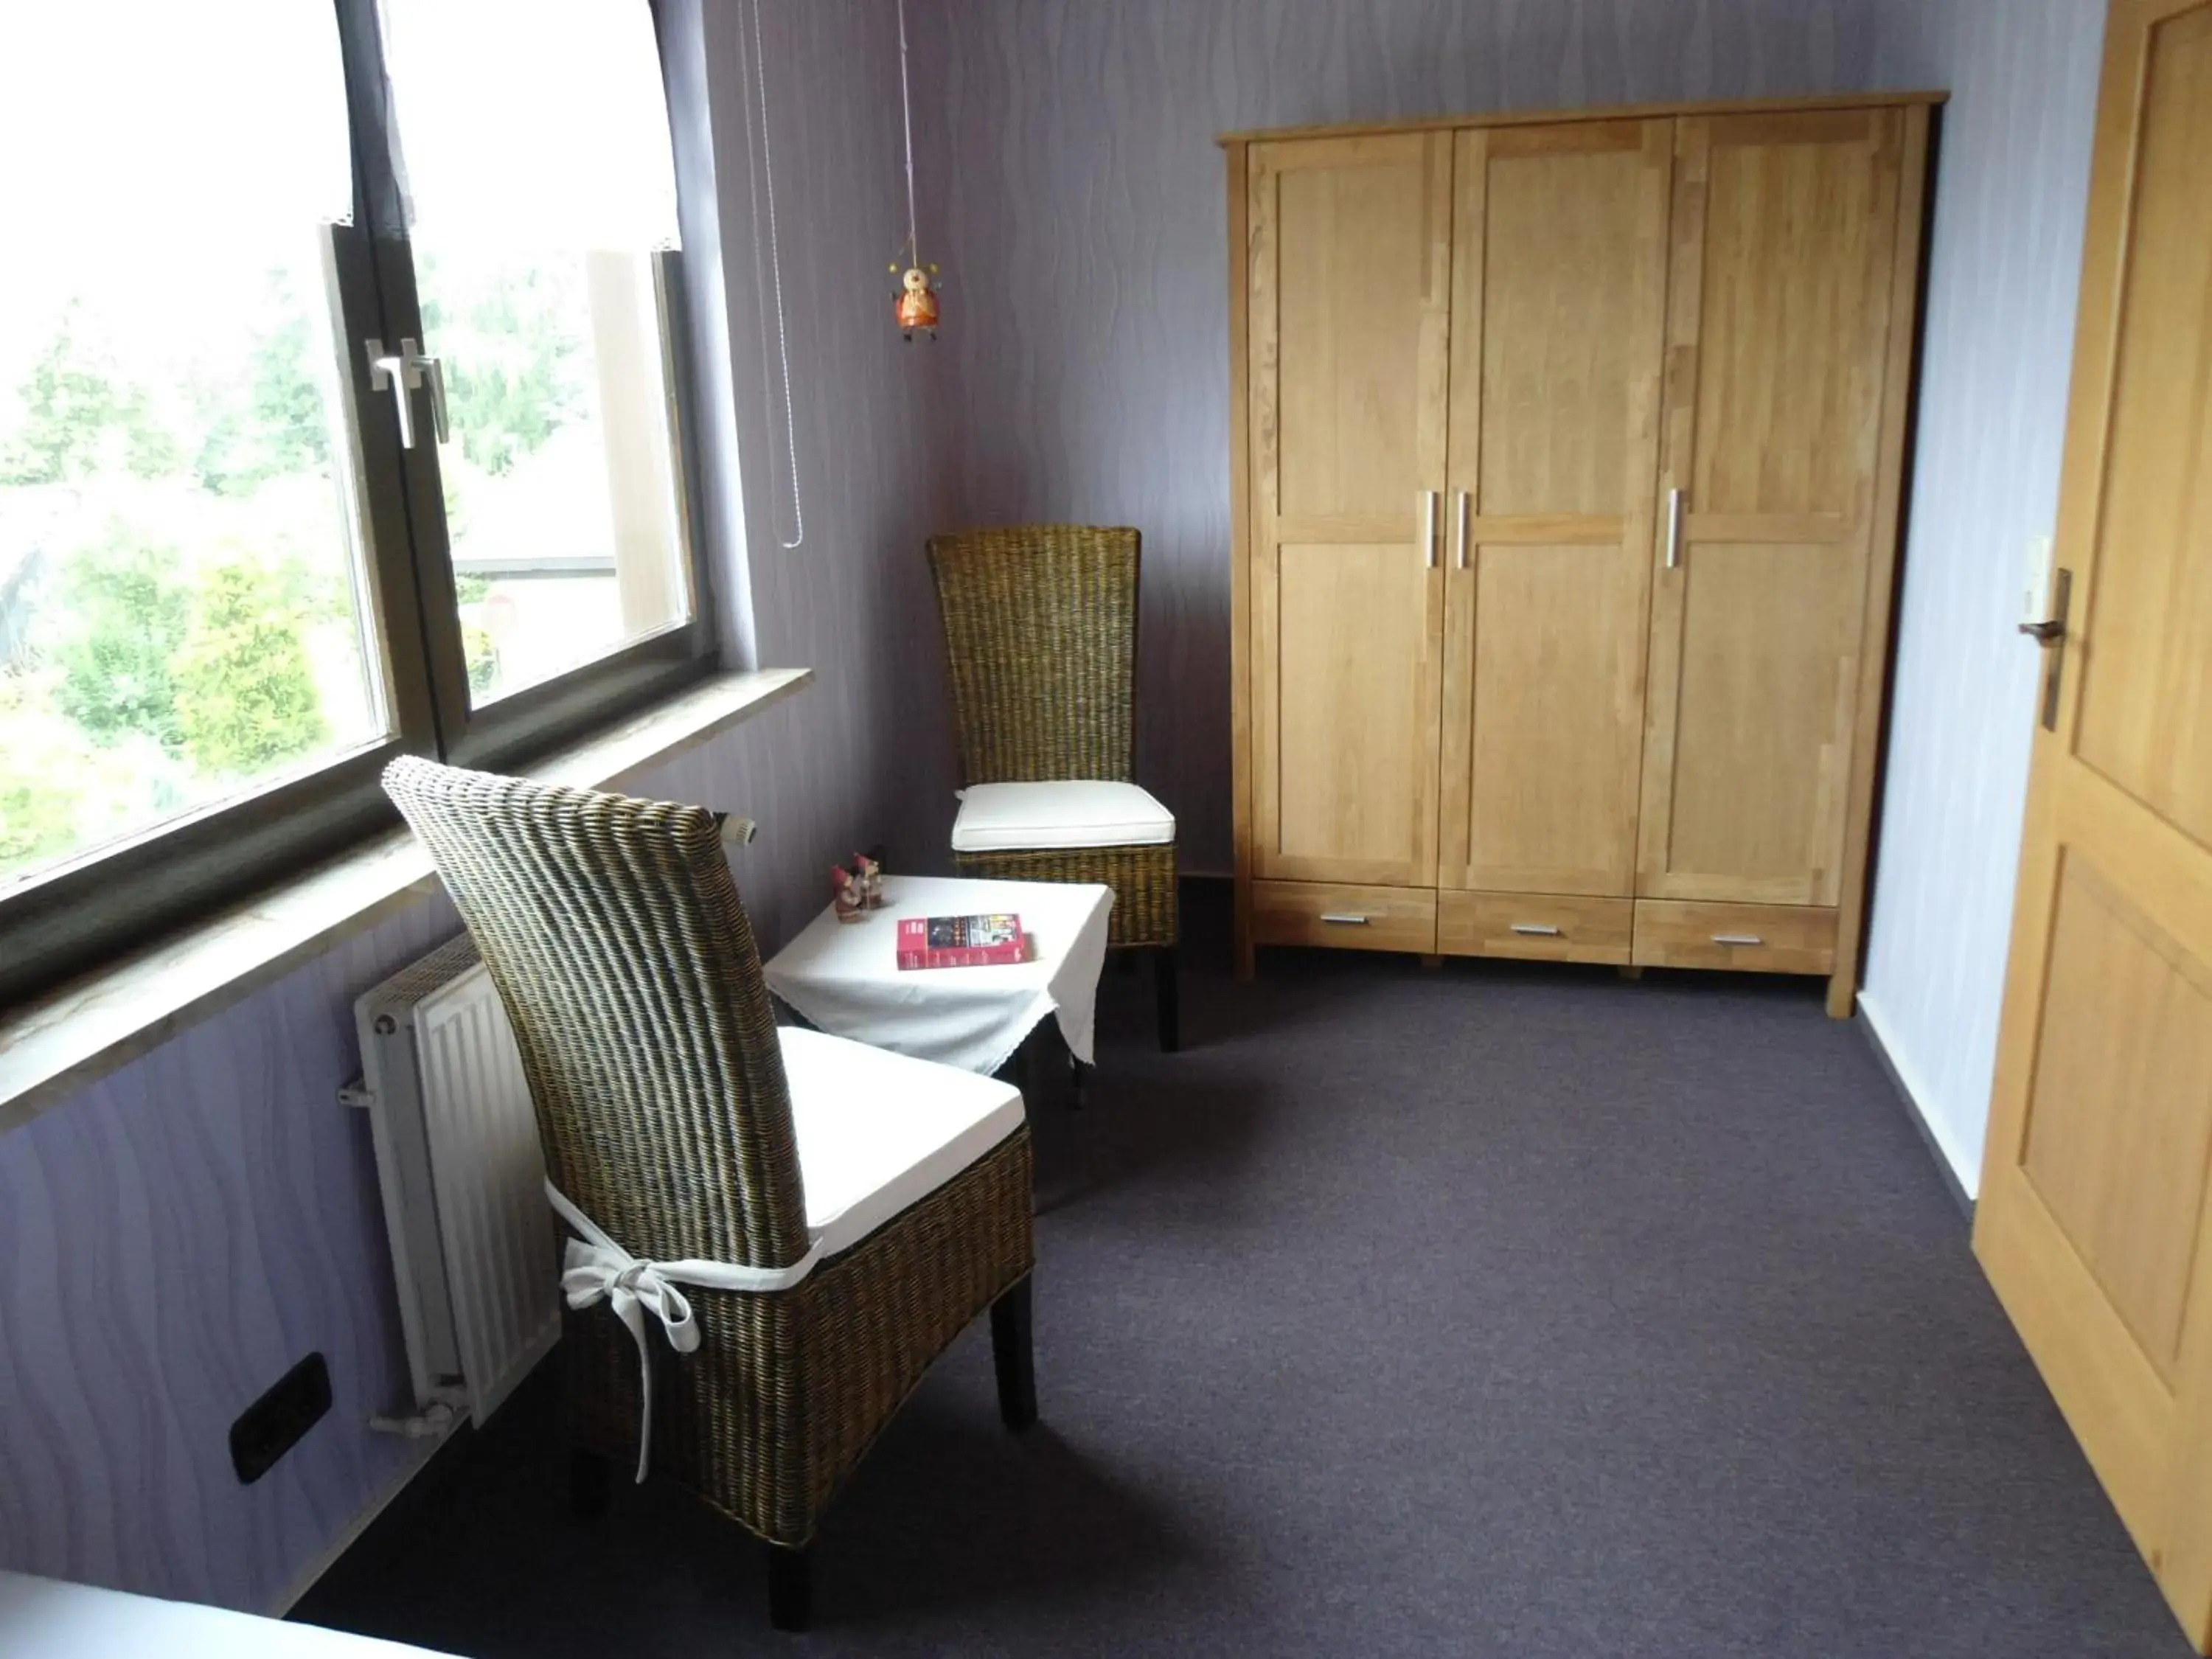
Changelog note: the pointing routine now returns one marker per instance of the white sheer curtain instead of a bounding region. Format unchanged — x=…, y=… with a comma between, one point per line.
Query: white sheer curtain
x=531, y=124
x=152, y=126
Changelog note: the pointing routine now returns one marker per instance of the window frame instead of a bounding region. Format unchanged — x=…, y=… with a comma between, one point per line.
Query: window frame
x=86, y=911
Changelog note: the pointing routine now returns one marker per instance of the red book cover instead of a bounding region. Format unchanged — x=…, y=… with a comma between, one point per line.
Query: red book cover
x=960, y=941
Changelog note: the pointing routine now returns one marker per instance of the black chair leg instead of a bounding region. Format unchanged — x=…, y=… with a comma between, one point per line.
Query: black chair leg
x=1164, y=983
x=588, y=1482
x=790, y=1587
x=1011, y=1355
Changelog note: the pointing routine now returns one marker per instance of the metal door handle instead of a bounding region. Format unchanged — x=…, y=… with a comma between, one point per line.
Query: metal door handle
x=1466, y=500
x=1341, y=919
x=1541, y=929
x=1674, y=529
x=1428, y=528
x=1737, y=938
x=2051, y=634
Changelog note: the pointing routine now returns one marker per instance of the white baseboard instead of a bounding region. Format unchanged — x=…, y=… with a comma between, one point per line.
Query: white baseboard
x=1963, y=1172
x=420, y=1452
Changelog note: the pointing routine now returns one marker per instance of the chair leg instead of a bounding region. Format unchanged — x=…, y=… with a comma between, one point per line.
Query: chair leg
x=1165, y=983
x=1011, y=1355
x=588, y=1482
x=790, y=1587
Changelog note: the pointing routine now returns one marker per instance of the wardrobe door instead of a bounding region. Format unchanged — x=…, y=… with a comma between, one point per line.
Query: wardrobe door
x=1785, y=231
x=1558, y=313
x=1350, y=279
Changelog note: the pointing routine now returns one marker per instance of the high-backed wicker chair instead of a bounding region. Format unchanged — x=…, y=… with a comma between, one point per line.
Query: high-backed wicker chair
x=1040, y=627
x=677, y=1117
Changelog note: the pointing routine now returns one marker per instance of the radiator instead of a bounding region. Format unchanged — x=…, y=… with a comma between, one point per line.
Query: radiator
x=463, y=1178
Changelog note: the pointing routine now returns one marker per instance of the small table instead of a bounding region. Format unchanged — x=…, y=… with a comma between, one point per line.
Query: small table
x=844, y=977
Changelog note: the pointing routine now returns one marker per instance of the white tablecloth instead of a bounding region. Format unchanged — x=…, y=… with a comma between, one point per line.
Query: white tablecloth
x=845, y=977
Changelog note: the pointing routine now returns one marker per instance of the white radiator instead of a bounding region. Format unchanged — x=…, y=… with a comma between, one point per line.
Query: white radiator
x=458, y=1158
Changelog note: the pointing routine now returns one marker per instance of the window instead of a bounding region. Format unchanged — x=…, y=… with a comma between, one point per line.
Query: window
x=338, y=417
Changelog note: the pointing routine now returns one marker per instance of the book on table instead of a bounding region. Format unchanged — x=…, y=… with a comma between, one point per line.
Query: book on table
x=987, y=941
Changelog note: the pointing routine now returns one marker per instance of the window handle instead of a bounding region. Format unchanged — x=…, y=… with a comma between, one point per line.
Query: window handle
x=399, y=373
x=403, y=374
x=434, y=370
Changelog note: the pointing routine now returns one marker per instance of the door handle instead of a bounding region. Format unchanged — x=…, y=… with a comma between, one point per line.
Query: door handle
x=1466, y=500
x=2051, y=634
x=1428, y=528
x=1675, y=529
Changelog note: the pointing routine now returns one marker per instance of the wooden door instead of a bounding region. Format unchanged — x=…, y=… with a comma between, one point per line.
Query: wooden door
x=1558, y=313
x=1350, y=293
x=1784, y=292
x=2094, y=1222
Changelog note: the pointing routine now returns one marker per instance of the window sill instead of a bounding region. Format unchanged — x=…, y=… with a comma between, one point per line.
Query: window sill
x=52, y=1048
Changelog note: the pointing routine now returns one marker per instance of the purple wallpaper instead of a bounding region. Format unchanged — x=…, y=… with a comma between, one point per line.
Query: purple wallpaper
x=1075, y=191
x=173, y=1239
x=2004, y=265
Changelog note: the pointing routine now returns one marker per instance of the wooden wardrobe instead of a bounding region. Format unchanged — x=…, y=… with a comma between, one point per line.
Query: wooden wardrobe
x=1565, y=469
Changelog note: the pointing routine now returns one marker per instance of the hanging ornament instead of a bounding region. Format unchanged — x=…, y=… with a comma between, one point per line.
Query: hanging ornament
x=915, y=302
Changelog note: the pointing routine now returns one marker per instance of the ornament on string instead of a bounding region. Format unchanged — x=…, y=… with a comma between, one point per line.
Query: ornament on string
x=916, y=299
x=914, y=305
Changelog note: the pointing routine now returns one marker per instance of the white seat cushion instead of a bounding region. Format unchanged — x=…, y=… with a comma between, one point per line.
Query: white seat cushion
x=878, y=1132
x=1016, y=817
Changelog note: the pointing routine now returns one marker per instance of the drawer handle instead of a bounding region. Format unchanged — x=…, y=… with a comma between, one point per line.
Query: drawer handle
x=1341, y=919
x=1542, y=930
x=1737, y=938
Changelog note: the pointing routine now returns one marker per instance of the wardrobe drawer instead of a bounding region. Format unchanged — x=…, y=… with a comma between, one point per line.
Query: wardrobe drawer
x=1350, y=918
x=1543, y=926
x=1769, y=939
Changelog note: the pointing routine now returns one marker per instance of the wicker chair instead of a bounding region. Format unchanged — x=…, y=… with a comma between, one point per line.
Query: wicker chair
x=676, y=1116
x=1040, y=627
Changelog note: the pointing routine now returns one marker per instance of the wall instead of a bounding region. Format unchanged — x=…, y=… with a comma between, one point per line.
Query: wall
x=2011, y=190
x=171, y=1240
x=1072, y=189
x=1075, y=194
x=177, y=1237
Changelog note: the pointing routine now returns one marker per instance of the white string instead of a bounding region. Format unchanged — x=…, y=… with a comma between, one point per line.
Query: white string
x=753, y=180
x=906, y=112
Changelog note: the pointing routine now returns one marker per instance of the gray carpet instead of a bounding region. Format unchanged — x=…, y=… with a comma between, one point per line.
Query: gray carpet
x=1482, y=1311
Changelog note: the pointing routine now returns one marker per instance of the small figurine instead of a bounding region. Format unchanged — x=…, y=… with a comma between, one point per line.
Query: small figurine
x=869, y=876
x=850, y=900
x=916, y=301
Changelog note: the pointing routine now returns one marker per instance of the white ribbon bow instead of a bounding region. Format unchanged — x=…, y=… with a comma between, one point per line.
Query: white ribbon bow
x=596, y=1269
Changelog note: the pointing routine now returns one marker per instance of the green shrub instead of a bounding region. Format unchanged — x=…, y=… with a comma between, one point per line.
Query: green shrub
x=127, y=611
x=246, y=699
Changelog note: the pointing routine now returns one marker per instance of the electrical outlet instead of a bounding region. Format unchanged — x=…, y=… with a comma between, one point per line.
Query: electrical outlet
x=2035, y=579
x=272, y=1424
